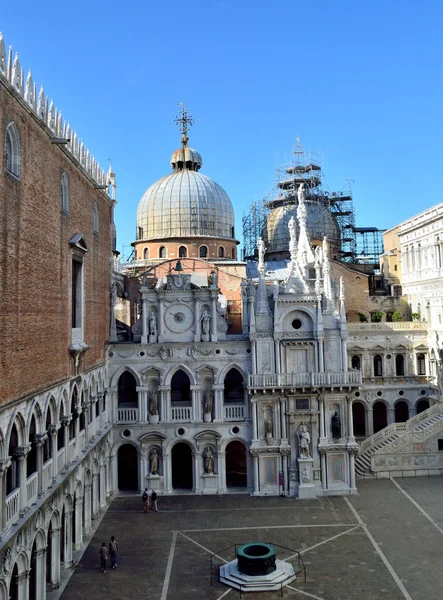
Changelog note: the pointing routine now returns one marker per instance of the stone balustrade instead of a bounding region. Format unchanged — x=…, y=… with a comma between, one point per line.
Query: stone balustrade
x=12, y=507
x=32, y=488
x=385, y=326
x=292, y=380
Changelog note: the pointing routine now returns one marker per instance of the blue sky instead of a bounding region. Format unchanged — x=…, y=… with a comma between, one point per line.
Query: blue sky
x=359, y=81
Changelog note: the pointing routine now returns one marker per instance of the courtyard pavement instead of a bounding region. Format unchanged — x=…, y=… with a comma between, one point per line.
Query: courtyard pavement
x=386, y=543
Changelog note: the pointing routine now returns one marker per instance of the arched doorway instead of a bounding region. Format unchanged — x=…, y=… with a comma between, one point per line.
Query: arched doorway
x=379, y=416
x=422, y=405
x=236, y=472
x=33, y=574
x=127, y=467
x=13, y=586
x=358, y=418
x=401, y=411
x=182, y=466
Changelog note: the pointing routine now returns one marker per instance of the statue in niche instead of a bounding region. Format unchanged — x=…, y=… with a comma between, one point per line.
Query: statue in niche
x=268, y=427
x=152, y=324
x=208, y=401
x=206, y=322
x=304, y=441
x=208, y=455
x=153, y=406
x=336, y=425
x=153, y=458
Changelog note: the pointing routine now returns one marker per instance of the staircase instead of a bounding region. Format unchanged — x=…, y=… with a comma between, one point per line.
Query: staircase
x=392, y=436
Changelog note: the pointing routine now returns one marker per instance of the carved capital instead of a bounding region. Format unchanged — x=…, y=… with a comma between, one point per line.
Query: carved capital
x=4, y=464
x=40, y=439
x=21, y=452
x=65, y=420
x=52, y=429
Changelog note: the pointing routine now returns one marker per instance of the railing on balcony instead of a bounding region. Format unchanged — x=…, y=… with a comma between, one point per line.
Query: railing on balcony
x=275, y=380
x=60, y=460
x=71, y=451
x=181, y=413
x=234, y=412
x=81, y=440
x=12, y=507
x=47, y=473
x=127, y=415
x=32, y=488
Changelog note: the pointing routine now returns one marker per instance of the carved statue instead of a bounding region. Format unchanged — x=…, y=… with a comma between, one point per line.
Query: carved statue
x=209, y=401
x=153, y=407
x=301, y=193
x=153, y=457
x=206, y=322
x=152, y=324
x=292, y=231
x=209, y=460
x=268, y=427
x=336, y=425
x=261, y=255
x=244, y=292
x=304, y=440
x=212, y=279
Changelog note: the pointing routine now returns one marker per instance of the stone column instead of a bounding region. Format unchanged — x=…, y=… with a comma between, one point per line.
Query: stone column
x=165, y=404
x=351, y=437
x=284, y=432
x=167, y=472
x=277, y=356
x=87, y=501
x=352, y=471
x=214, y=295
x=23, y=586
x=197, y=471
x=4, y=465
x=254, y=420
x=65, y=423
x=285, y=474
x=68, y=539
x=52, y=432
x=78, y=533
x=112, y=407
x=54, y=540
x=369, y=422
x=20, y=455
x=144, y=318
x=321, y=356
x=40, y=566
x=256, y=473
x=197, y=333
x=221, y=462
x=39, y=441
x=344, y=350
x=161, y=310
x=253, y=356
x=324, y=479
x=218, y=402
x=114, y=474
x=95, y=504
x=390, y=415
x=102, y=495
x=321, y=402
x=277, y=421
x=142, y=394
x=196, y=403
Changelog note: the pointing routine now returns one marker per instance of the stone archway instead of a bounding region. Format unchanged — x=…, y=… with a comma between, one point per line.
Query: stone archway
x=422, y=405
x=380, y=416
x=236, y=465
x=127, y=465
x=358, y=419
x=181, y=460
x=401, y=411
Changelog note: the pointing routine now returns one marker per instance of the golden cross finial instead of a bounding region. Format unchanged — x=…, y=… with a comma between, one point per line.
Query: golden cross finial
x=184, y=121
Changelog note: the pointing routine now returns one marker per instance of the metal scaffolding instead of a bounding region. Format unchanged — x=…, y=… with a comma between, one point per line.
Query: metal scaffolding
x=330, y=213
x=369, y=244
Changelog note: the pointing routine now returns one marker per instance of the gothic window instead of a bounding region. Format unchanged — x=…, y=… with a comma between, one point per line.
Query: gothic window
x=399, y=364
x=221, y=252
x=182, y=252
x=421, y=364
x=77, y=293
x=203, y=251
x=12, y=474
x=180, y=387
x=64, y=193
x=95, y=224
x=12, y=150
x=47, y=448
x=73, y=415
x=31, y=459
x=140, y=233
x=127, y=390
x=233, y=386
x=378, y=366
x=162, y=252
x=145, y=253
x=356, y=362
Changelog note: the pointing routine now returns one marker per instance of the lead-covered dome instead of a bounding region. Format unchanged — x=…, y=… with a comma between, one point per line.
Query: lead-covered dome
x=185, y=203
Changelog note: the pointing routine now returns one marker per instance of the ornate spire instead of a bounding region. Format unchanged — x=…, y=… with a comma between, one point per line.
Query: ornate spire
x=184, y=121
x=305, y=253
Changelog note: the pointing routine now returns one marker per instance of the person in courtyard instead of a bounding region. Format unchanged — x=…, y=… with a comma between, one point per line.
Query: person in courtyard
x=113, y=550
x=145, y=499
x=154, y=501
x=103, y=557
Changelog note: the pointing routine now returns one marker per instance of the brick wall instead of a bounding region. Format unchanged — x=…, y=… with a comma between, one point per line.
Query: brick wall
x=35, y=260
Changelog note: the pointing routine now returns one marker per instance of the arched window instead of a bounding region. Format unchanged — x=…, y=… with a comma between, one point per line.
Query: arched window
x=233, y=232
x=12, y=150
x=438, y=252
x=162, y=252
x=95, y=225
x=399, y=364
x=127, y=390
x=412, y=251
x=145, y=253
x=221, y=252
x=64, y=193
x=378, y=365
x=73, y=415
x=421, y=364
x=180, y=387
x=234, y=386
x=182, y=252
x=203, y=251
x=356, y=362
x=233, y=253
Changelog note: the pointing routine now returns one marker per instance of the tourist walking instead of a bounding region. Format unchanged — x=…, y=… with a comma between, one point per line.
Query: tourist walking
x=154, y=501
x=103, y=557
x=113, y=550
x=145, y=499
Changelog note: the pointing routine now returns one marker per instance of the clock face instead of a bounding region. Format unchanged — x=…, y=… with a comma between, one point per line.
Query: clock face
x=179, y=318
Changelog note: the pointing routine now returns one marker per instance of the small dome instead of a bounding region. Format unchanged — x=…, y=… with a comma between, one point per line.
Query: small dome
x=320, y=223
x=186, y=158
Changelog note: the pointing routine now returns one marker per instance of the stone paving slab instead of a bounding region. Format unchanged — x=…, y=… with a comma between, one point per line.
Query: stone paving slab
x=344, y=568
